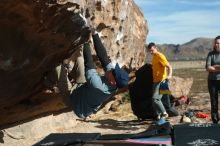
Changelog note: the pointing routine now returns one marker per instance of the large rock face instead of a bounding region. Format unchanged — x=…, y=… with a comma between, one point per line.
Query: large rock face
x=36, y=35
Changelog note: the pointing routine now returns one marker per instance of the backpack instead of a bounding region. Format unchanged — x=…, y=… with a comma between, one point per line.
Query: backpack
x=141, y=95
x=141, y=92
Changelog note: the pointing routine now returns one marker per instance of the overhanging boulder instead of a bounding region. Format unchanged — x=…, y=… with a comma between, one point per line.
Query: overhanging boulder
x=36, y=35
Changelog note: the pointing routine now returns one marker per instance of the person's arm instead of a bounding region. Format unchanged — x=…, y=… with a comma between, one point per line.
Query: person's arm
x=210, y=69
x=208, y=65
x=217, y=68
x=163, y=61
x=170, y=71
x=87, y=55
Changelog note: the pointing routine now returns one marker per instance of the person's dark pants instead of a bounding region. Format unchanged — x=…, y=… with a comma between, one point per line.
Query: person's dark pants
x=87, y=55
x=214, y=88
x=166, y=100
x=100, y=51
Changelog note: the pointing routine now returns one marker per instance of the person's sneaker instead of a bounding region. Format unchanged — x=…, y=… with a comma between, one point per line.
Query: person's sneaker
x=48, y=91
x=186, y=119
x=56, y=89
x=165, y=115
x=161, y=121
x=158, y=117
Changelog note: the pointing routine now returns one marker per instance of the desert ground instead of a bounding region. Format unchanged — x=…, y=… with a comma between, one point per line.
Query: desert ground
x=122, y=120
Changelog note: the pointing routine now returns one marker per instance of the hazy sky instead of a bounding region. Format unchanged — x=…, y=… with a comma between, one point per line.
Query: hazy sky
x=179, y=21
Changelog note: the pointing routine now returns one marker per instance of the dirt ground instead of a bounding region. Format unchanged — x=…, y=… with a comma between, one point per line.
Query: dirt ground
x=122, y=120
x=188, y=64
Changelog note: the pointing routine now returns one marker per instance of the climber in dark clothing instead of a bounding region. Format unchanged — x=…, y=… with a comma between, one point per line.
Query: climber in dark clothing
x=89, y=96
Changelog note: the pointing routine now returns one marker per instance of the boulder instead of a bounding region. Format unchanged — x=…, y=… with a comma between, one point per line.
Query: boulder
x=37, y=35
x=180, y=86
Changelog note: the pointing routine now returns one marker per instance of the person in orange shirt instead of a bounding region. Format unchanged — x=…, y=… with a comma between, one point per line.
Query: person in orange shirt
x=162, y=71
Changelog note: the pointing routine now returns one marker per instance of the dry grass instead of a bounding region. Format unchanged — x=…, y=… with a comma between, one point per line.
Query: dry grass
x=188, y=64
x=194, y=69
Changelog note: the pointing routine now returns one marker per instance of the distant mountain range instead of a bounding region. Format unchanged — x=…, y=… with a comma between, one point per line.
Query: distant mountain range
x=196, y=49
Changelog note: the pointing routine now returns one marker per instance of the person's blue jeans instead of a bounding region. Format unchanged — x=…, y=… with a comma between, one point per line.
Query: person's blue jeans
x=214, y=88
x=156, y=100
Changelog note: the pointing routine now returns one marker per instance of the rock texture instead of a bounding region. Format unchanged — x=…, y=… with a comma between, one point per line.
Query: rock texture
x=36, y=35
x=180, y=86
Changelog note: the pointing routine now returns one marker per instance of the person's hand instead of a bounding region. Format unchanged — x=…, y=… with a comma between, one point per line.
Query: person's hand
x=217, y=67
x=90, y=37
x=169, y=77
x=93, y=31
x=212, y=69
x=89, y=40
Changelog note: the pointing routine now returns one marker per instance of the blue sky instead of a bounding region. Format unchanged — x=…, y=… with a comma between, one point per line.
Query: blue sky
x=179, y=21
